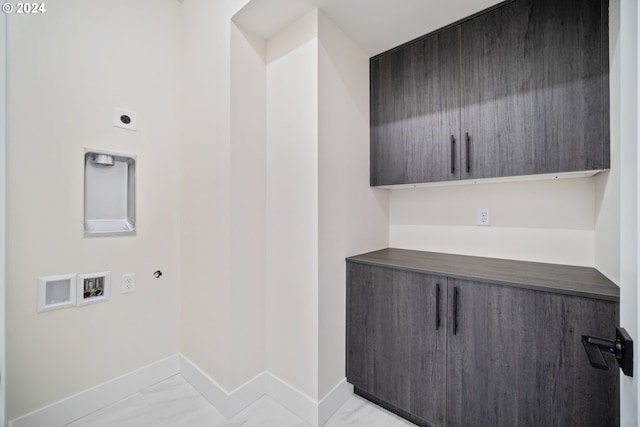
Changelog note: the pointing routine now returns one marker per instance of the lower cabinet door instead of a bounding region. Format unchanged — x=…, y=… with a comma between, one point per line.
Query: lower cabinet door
x=395, y=344
x=515, y=358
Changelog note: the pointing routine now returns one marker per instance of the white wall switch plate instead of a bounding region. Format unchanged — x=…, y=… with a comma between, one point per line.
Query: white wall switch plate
x=484, y=217
x=125, y=119
x=128, y=283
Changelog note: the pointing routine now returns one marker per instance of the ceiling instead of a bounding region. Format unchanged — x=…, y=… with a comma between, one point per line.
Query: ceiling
x=374, y=25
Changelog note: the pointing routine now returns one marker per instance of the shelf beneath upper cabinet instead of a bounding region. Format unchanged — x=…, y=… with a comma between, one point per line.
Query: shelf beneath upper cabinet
x=523, y=178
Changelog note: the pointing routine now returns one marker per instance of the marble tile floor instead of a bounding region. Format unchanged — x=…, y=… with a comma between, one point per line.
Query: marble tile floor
x=175, y=403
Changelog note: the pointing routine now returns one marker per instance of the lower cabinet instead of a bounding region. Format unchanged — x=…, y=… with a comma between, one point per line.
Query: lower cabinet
x=441, y=351
x=396, y=341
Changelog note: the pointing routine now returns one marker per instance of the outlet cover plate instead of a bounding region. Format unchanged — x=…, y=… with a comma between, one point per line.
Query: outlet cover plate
x=128, y=283
x=125, y=119
x=484, y=216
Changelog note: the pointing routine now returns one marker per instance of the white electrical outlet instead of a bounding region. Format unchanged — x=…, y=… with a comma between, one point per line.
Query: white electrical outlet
x=128, y=283
x=484, y=217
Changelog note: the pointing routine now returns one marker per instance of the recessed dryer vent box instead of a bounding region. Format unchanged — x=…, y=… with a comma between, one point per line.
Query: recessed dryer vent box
x=56, y=292
x=109, y=193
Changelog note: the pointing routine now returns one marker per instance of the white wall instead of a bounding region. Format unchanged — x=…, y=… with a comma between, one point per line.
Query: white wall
x=320, y=208
x=223, y=195
x=205, y=187
x=353, y=218
x=292, y=205
x=248, y=206
x=607, y=226
x=544, y=221
x=68, y=68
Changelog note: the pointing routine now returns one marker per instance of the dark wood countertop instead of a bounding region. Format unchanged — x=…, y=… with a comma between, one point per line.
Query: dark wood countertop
x=564, y=279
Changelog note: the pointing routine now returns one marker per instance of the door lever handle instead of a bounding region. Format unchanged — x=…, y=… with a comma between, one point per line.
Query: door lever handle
x=621, y=348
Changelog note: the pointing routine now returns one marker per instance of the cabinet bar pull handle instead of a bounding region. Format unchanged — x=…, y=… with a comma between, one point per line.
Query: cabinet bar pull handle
x=453, y=154
x=468, y=141
x=437, y=306
x=455, y=311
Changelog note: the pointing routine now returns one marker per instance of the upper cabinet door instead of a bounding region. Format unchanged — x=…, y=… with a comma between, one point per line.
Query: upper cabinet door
x=535, y=89
x=415, y=115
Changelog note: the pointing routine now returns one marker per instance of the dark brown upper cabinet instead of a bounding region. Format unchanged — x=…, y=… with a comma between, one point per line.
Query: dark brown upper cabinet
x=521, y=89
x=415, y=111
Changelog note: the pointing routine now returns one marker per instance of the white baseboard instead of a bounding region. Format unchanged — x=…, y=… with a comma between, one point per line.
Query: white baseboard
x=313, y=412
x=247, y=393
x=334, y=400
x=228, y=403
x=292, y=399
x=88, y=401
x=231, y=403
